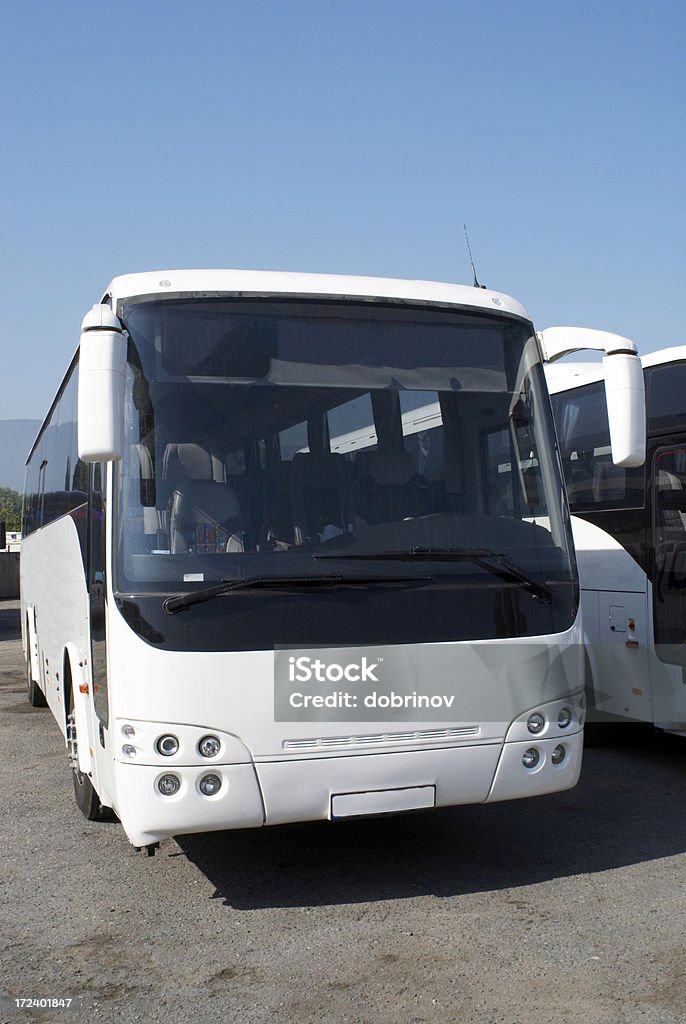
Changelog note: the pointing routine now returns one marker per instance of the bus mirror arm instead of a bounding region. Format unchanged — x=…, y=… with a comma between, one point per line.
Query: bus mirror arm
x=624, y=386
x=102, y=377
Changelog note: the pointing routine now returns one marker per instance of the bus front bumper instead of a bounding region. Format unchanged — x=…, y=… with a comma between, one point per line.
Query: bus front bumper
x=309, y=789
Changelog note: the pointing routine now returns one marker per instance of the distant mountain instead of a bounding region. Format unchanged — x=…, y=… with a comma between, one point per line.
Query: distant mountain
x=16, y=438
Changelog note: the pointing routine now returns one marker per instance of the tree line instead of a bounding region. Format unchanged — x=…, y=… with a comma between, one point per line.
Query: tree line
x=10, y=508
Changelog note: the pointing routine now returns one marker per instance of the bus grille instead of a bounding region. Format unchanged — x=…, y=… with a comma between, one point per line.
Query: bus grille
x=382, y=738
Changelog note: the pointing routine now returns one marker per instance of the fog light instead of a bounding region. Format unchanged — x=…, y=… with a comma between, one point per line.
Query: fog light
x=128, y=730
x=168, y=785
x=167, y=745
x=210, y=784
x=558, y=755
x=564, y=718
x=535, y=723
x=531, y=757
x=209, y=746
x=128, y=750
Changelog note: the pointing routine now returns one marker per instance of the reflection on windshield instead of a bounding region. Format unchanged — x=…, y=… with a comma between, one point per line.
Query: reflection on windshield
x=260, y=434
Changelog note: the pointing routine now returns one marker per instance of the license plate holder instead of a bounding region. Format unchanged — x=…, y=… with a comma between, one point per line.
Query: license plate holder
x=382, y=801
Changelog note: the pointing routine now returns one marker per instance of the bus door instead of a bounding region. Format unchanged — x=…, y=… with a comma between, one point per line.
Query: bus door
x=623, y=686
x=96, y=595
x=669, y=583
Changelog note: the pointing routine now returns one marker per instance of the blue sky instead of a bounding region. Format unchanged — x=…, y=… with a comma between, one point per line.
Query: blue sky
x=347, y=137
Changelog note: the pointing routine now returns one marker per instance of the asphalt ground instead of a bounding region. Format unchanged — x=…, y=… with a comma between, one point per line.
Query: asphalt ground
x=557, y=910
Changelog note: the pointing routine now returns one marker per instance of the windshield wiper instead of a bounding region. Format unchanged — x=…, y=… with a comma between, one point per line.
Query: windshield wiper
x=492, y=561
x=177, y=604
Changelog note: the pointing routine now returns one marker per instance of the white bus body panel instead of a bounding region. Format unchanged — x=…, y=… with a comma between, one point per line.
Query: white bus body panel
x=275, y=772
x=629, y=681
x=60, y=609
x=615, y=615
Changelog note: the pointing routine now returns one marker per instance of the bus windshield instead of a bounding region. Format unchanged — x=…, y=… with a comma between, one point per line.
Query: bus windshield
x=263, y=436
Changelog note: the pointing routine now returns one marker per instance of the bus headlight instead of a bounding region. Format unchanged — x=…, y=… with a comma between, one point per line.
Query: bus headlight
x=531, y=757
x=536, y=722
x=168, y=785
x=167, y=745
x=210, y=784
x=558, y=755
x=128, y=750
x=209, y=746
x=564, y=718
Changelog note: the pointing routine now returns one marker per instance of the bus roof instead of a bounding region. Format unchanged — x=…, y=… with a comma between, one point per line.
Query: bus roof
x=665, y=355
x=564, y=376
x=260, y=283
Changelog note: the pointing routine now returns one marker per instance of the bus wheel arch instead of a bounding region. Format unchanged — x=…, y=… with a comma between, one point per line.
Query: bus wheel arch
x=35, y=695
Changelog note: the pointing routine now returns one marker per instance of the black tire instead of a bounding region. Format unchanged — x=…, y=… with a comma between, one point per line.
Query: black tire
x=596, y=733
x=87, y=800
x=35, y=695
x=599, y=734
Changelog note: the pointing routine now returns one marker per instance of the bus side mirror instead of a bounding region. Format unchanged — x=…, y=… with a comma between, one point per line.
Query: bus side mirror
x=102, y=378
x=3, y=536
x=624, y=386
x=626, y=408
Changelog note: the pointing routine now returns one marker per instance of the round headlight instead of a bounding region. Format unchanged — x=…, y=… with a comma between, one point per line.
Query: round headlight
x=167, y=745
x=209, y=746
x=531, y=757
x=558, y=755
x=168, y=785
x=128, y=750
x=210, y=784
x=535, y=722
x=128, y=730
x=564, y=718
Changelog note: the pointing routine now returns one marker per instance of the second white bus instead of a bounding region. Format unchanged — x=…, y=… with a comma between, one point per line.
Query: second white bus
x=630, y=536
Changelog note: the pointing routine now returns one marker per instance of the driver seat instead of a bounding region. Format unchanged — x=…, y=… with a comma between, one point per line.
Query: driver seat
x=204, y=511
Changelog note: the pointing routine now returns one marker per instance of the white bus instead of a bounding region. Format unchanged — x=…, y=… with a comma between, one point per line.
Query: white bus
x=254, y=592
x=630, y=535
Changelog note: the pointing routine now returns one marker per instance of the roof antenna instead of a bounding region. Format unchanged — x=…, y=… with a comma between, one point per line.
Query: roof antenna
x=469, y=250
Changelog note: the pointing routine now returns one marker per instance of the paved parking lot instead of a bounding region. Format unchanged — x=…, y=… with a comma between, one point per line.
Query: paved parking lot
x=567, y=908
